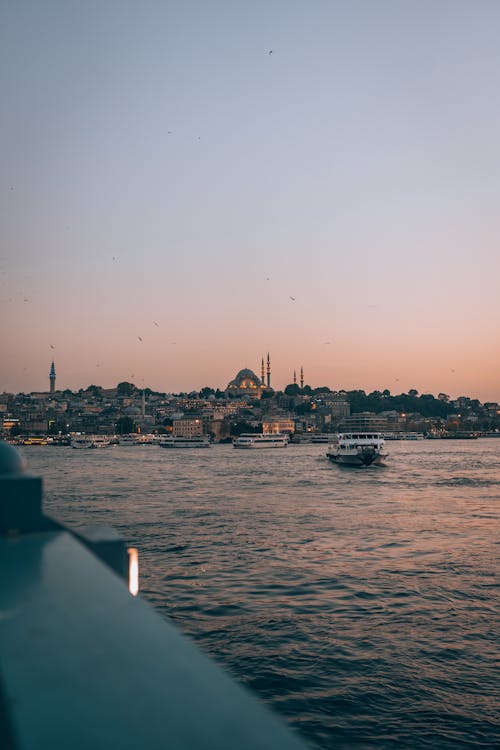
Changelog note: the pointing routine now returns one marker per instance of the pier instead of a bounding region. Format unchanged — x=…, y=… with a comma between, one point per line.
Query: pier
x=86, y=665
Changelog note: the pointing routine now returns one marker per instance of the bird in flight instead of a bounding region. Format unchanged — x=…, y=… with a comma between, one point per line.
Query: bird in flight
x=270, y=52
x=52, y=346
x=156, y=324
x=140, y=339
x=293, y=299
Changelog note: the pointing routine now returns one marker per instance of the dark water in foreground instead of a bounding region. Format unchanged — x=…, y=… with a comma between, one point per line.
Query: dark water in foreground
x=361, y=604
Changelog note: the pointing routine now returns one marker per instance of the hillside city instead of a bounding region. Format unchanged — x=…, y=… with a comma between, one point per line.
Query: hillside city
x=248, y=404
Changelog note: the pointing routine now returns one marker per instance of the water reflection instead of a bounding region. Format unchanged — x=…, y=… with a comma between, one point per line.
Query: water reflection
x=342, y=597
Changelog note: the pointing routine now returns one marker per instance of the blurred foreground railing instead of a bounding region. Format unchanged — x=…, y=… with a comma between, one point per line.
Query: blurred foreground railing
x=86, y=665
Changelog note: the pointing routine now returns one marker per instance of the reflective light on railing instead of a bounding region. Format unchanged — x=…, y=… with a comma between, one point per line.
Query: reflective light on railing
x=133, y=571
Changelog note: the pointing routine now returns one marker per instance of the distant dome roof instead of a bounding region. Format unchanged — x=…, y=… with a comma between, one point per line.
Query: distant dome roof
x=245, y=373
x=245, y=379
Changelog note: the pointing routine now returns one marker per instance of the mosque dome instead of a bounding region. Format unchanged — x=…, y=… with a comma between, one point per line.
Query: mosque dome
x=245, y=381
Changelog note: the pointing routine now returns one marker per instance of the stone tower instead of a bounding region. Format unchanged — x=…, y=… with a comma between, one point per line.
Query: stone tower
x=52, y=378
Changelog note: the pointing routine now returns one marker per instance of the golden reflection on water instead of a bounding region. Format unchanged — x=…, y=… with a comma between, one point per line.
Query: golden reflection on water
x=133, y=570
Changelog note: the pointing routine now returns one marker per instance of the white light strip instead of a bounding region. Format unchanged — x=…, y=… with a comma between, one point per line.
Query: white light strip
x=133, y=571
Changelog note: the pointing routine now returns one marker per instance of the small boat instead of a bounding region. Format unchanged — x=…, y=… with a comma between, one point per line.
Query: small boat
x=261, y=440
x=176, y=441
x=357, y=449
x=90, y=441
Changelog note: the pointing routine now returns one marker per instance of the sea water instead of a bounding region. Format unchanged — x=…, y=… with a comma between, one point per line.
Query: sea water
x=360, y=604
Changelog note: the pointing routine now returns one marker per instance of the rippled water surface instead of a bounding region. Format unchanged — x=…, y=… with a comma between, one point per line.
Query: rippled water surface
x=362, y=604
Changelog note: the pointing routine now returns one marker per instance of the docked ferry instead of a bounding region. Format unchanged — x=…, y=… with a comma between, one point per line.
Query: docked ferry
x=357, y=449
x=135, y=439
x=91, y=441
x=261, y=440
x=175, y=441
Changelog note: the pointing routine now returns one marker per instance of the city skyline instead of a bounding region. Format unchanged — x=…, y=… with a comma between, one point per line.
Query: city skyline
x=185, y=187
x=264, y=378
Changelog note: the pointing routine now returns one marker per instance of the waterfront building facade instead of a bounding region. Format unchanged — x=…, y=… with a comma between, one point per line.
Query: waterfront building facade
x=187, y=428
x=274, y=426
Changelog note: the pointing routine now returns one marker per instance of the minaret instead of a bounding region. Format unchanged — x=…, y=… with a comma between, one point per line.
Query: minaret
x=52, y=378
x=262, y=373
x=295, y=377
x=301, y=377
x=143, y=403
x=268, y=371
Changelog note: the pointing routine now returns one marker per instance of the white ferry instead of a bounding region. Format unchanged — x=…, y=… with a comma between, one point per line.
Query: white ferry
x=196, y=441
x=261, y=440
x=404, y=435
x=357, y=449
x=91, y=441
x=136, y=439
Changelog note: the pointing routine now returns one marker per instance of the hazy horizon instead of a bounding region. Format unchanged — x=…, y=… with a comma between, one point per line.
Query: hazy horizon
x=396, y=391
x=187, y=186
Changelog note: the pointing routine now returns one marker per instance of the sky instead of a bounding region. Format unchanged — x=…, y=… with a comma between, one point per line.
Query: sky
x=188, y=185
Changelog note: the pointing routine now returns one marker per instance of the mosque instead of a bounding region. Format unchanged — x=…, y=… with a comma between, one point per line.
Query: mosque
x=247, y=383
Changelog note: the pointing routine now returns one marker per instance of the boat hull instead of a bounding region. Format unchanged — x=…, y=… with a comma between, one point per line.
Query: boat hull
x=368, y=459
x=187, y=443
x=257, y=446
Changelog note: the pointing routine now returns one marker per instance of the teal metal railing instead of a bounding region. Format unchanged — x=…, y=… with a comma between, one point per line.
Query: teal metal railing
x=85, y=665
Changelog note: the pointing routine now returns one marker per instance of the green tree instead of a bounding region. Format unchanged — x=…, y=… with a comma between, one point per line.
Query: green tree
x=125, y=389
x=267, y=395
x=237, y=428
x=94, y=390
x=206, y=392
x=125, y=425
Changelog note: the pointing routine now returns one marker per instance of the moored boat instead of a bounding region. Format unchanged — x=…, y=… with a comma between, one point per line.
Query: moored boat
x=135, y=439
x=357, y=449
x=37, y=441
x=90, y=441
x=176, y=441
x=261, y=440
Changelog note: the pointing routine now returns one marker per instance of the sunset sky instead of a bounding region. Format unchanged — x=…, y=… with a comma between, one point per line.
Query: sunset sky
x=185, y=186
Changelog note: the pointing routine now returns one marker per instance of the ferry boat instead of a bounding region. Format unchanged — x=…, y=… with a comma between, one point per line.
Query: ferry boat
x=357, y=449
x=261, y=440
x=136, y=439
x=403, y=435
x=36, y=441
x=175, y=441
x=90, y=441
